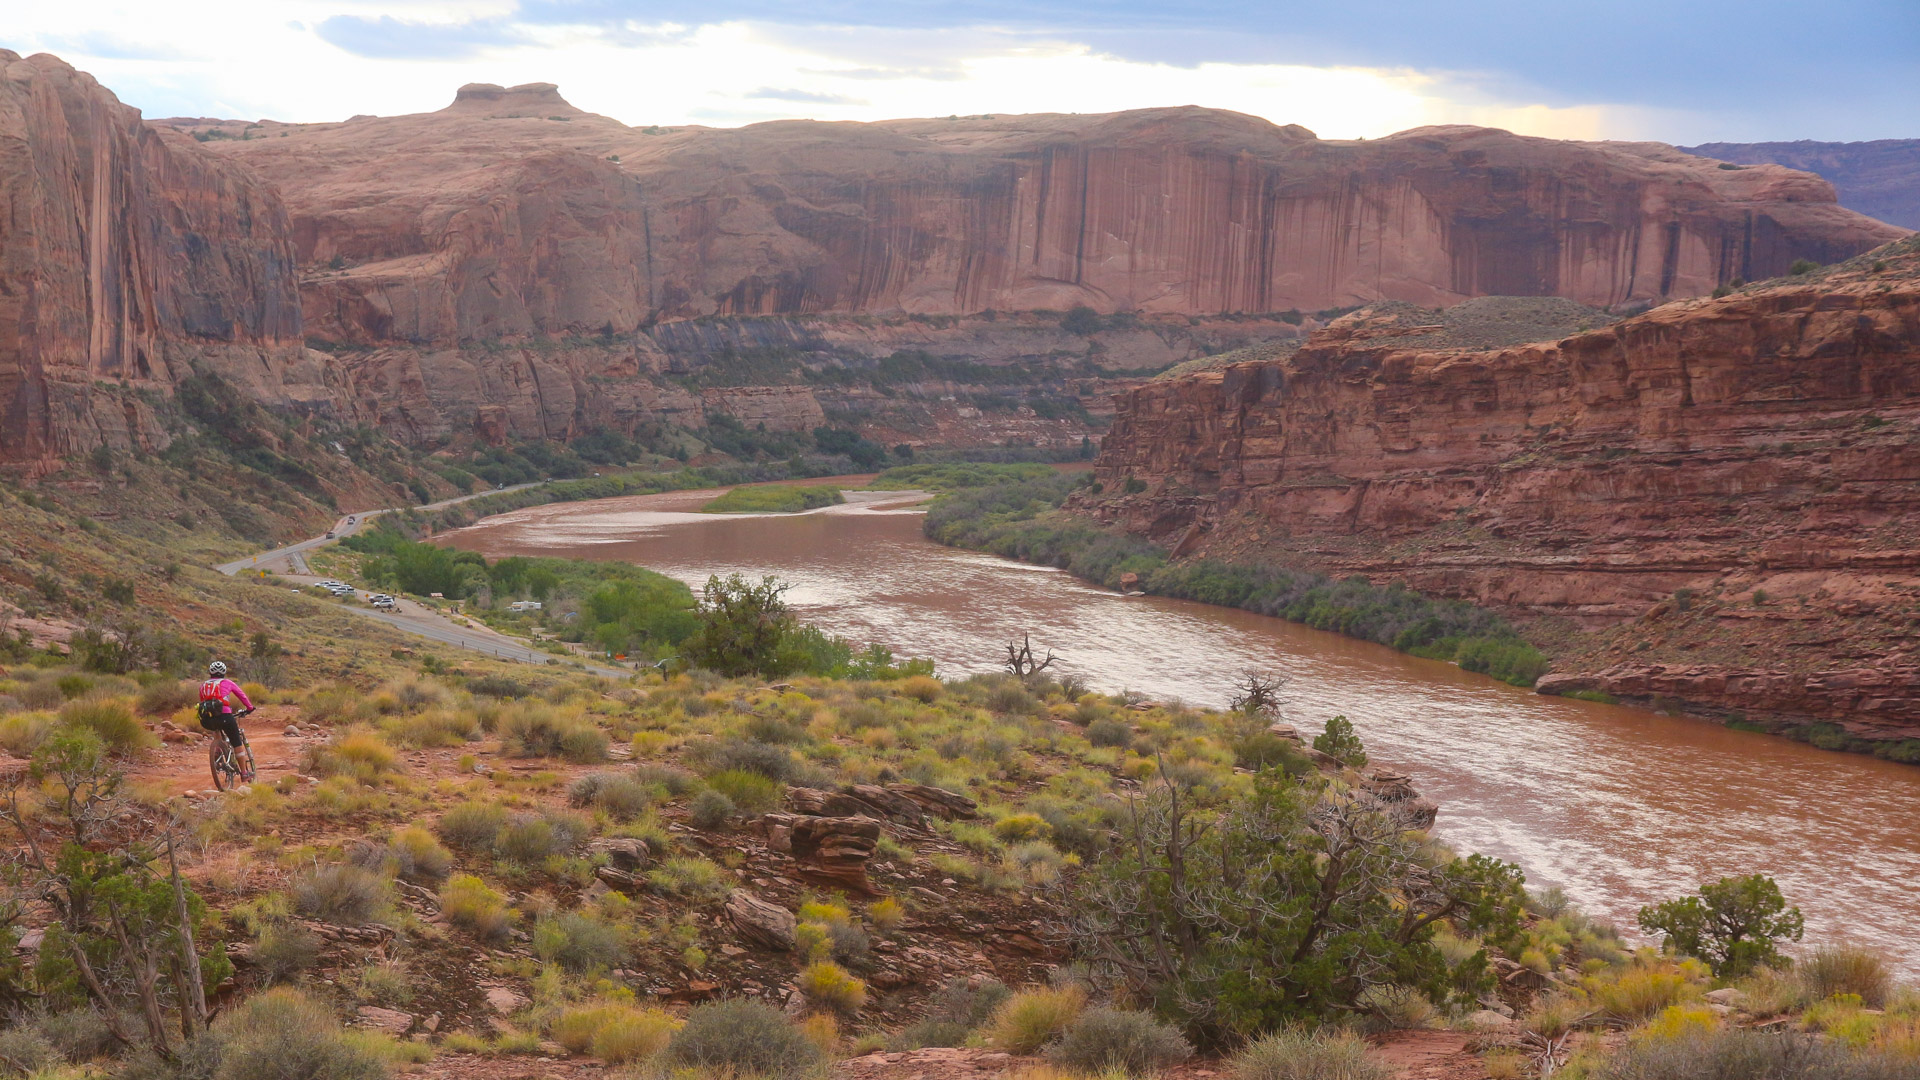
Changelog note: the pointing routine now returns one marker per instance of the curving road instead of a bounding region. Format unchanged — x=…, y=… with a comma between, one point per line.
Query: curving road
x=289, y=566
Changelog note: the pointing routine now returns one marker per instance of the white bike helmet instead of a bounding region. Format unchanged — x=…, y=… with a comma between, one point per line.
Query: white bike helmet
x=217, y=669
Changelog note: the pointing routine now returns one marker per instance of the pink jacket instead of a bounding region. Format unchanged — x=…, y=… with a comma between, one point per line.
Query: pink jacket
x=220, y=690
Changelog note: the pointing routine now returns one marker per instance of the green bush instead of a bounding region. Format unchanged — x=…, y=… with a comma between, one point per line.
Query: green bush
x=24, y=1051
x=1297, y=1054
x=473, y=826
x=469, y=903
x=749, y=791
x=711, y=810
x=1739, y=1054
x=742, y=755
x=1101, y=1041
x=166, y=696
x=1734, y=924
x=530, y=839
x=1340, y=743
x=829, y=988
x=1107, y=732
x=417, y=856
x=1031, y=1019
x=774, y=499
x=579, y=943
x=743, y=1037
x=285, y=951
x=284, y=1035
x=341, y=893
x=539, y=732
x=691, y=878
x=110, y=719
x=622, y=796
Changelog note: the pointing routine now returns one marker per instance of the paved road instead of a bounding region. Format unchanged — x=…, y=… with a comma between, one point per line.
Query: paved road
x=346, y=526
x=419, y=620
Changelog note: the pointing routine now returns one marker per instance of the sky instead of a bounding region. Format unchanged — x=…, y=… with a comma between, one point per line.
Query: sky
x=1680, y=71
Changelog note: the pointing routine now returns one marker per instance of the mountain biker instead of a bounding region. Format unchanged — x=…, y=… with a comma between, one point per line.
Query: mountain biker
x=217, y=698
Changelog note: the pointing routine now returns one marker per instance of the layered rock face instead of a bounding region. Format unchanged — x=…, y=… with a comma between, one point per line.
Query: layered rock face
x=129, y=257
x=1756, y=456
x=511, y=212
x=1881, y=179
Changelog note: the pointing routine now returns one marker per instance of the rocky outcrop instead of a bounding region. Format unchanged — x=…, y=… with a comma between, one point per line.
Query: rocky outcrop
x=834, y=850
x=130, y=258
x=1881, y=702
x=1702, y=462
x=1881, y=179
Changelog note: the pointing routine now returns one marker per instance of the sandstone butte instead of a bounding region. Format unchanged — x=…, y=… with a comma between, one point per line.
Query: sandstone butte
x=511, y=265
x=1723, y=494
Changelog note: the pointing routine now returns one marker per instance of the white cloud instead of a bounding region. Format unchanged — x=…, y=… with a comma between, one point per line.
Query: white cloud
x=254, y=59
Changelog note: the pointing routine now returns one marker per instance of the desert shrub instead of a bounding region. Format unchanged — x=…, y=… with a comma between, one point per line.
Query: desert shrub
x=110, y=719
x=923, y=688
x=743, y=1037
x=828, y=987
x=675, y=782
x=469, y=903
x=954, y=1011
x=1017, y=827
x=383, y=984
x=1734, y=924
x=622, y=796
x=1737, y=1054
x=166, y=696
x=711, y=810
x=1108, y=732
x=886, y=914
x=1103, y=1040
x=1033, y=1018
x=536, y=731
x=284, y=1035
x=634, y=1035
x=1340, y=743
x=1299, y=1054
x=22, y=733
x=79, y=1035
x=359, y=753
x=340, y=893
x=1831, y=970
x=529, y=839
x=497, y=686
x=1641, y=990
x=40, y=694
x=742, y=755
x=579, y=943
x=575, y=1028
x=473, y=826
x=417, y=856
x=24, y=1051
x=752, y=792
x=1396, y=1008
x=329, y=703
x=285, y=951
x=435, y=728
x=1771, y=993
x=691, y=878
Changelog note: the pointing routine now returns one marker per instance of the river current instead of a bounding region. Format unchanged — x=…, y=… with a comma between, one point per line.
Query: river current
x=1619, y=806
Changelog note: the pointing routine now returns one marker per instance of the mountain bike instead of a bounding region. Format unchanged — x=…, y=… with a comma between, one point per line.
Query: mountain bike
x=231, y=765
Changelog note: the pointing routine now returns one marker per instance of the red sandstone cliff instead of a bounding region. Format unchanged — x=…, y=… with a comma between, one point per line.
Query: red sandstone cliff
x=128, y=257
x=1757, y=457
x=511, y=212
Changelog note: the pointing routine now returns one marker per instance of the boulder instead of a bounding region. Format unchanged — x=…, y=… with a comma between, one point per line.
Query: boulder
x=504, y=1001
x=1488, y=1020
x=1728, y=996
x=623, y=853
x=937, y=801
x=830, y=849
x=768, y=925
x=391, y=1021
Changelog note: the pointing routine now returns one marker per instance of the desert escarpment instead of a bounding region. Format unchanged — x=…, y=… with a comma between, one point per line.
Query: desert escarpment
x=129, y=257
x=510, y=211
x=1724, y=488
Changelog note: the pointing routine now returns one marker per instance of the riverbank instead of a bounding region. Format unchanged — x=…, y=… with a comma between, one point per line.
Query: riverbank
x=1026, y=521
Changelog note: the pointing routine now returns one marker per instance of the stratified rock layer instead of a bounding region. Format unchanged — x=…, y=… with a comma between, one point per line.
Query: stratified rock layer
x=1760, y=452
x=511, y=212
x=129, y=257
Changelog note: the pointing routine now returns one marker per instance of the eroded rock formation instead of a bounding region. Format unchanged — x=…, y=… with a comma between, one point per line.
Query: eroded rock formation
x=1746, y=467
x=129, y=257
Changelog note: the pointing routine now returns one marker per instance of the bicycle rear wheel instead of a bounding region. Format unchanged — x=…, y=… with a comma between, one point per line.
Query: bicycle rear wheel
x=219, y=764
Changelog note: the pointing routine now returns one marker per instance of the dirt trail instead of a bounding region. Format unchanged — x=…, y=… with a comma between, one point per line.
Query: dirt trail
x=1414, y=1055
x=182, y=767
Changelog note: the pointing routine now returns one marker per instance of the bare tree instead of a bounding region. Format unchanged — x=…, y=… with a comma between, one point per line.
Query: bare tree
x=1020, y=659
x=1258, y=694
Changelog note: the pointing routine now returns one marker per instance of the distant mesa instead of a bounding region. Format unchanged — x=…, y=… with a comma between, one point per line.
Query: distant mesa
x=530, y=99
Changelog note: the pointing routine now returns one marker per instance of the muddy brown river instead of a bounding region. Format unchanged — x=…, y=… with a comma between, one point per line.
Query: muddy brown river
x=1618, y=806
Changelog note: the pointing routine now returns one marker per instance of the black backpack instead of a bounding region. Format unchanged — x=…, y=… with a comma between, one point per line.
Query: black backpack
x=211, y=711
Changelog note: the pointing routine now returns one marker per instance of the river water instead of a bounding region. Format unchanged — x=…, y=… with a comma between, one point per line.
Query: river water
x=1618, y=806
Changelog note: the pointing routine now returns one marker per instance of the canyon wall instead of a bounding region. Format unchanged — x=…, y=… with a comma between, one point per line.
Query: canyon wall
x=1724, y=491
x=1881, y=179
x=511, y=212
x=129, y=258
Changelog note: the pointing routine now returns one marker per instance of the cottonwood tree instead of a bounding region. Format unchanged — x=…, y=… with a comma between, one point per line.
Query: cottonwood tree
x=124, y=929
x=1285, y=905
